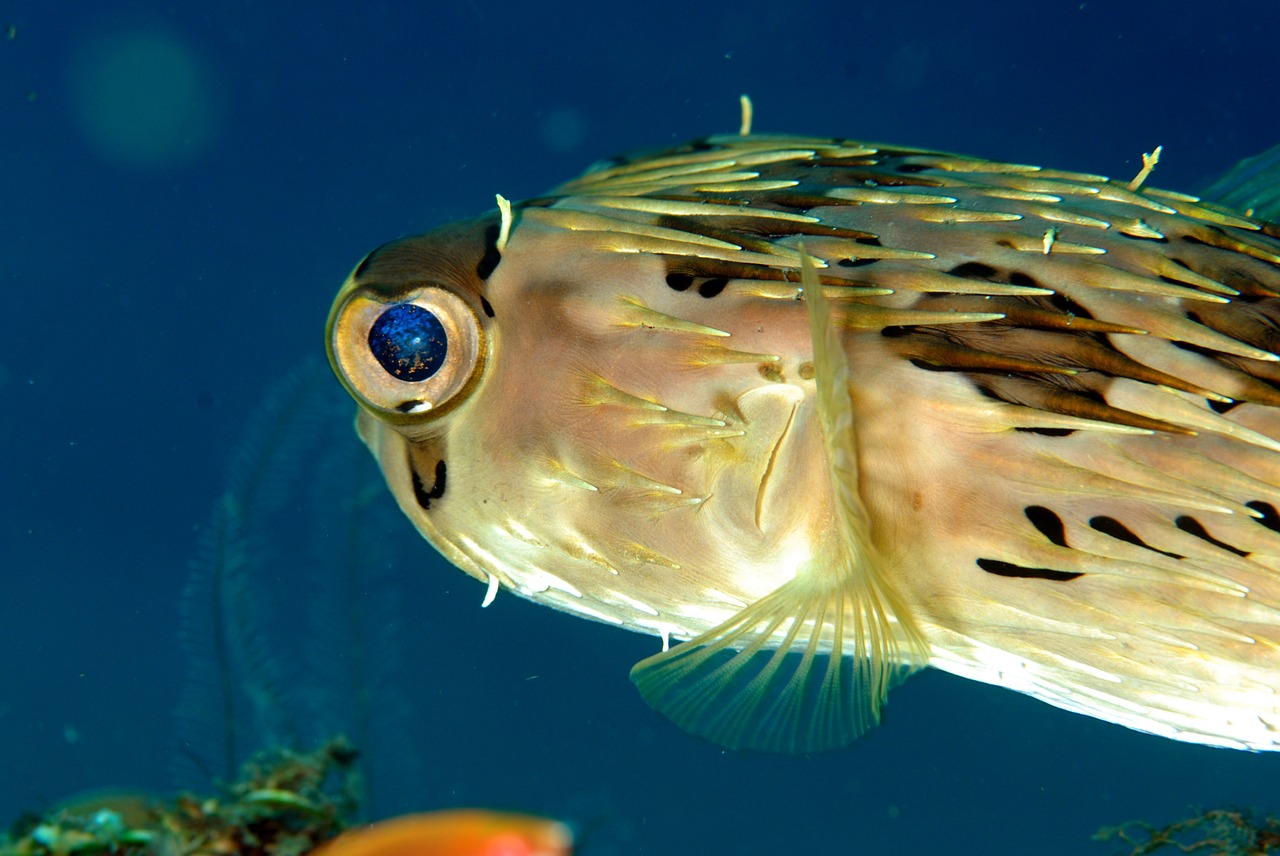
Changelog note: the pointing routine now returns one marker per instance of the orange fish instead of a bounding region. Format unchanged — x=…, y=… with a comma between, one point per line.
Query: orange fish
x=461, y=832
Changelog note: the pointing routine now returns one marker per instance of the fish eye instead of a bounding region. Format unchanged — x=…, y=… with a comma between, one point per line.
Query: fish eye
x=406, y=354
x=409, y=342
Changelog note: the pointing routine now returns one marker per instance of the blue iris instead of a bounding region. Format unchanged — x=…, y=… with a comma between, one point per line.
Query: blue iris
x=409, y=342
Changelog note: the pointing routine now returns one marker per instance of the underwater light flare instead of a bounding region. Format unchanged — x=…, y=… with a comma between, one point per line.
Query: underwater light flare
x=144, y=98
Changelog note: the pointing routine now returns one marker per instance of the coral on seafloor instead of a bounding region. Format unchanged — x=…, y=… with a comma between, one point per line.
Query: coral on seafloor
x=1216, y=832
x=285, y=804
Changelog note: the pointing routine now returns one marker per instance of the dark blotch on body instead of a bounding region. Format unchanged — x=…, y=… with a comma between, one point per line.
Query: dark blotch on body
x=1222, y=406
x=1270, y=518
x=1048, y=432
x=1007, y=569
x=1195, y=349
x=1048, y=522
x=1191, y=526
x=1114, y=528
x=489, y=261
x=420, y=491
x=930, y=367
x=713, y=286
x=486, y=306
x=974, y=270
x=1066, y=305
x=679, y=281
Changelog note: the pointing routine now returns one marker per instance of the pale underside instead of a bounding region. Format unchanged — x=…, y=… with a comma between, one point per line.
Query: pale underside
x=1042, y=450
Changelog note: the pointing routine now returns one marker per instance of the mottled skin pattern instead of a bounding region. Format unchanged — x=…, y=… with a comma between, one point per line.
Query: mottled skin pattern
x=1063, y=393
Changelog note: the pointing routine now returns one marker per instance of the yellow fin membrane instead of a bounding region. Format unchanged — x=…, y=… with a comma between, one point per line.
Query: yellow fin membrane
x=808, y=666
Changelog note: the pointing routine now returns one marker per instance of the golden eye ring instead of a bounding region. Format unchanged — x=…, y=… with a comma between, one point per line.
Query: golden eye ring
x=406, y=357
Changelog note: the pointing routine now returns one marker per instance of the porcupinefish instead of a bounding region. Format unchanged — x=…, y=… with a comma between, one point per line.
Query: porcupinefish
x=827, y=412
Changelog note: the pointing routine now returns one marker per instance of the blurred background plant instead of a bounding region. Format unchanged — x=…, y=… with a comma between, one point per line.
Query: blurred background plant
x=292, y=612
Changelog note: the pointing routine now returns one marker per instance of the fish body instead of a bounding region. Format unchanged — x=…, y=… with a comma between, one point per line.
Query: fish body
x=829, y=412
x=457, y=832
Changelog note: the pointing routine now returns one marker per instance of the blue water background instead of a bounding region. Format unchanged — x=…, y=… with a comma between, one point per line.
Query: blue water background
x=162, y=265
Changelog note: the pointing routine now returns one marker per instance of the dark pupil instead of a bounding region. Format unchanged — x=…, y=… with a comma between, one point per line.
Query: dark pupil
x=409, y=342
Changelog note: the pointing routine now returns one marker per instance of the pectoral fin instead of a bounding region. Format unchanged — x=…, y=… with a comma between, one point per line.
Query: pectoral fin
x=808, y=666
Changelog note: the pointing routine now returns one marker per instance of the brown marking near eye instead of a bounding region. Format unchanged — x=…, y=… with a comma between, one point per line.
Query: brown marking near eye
x=423, y=494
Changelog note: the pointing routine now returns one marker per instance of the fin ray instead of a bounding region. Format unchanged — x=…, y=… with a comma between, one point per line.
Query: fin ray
x=808, y=666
